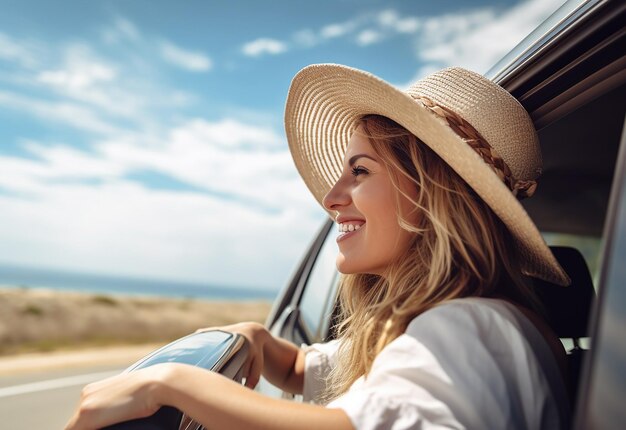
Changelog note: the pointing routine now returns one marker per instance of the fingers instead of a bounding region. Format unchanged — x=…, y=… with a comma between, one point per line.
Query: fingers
x=83, y=419
x=72, y=424
x=116, y=399
x=254, y=374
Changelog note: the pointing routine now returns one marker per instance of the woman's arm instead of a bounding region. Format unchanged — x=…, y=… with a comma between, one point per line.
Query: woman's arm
x=209, y=398
x=284, y=364
x=280, y=361
x=219, y=403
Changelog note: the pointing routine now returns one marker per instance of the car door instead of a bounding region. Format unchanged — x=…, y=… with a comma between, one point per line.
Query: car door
x=603, y=386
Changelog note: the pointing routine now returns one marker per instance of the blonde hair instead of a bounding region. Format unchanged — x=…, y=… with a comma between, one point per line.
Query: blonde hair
x=460, y=248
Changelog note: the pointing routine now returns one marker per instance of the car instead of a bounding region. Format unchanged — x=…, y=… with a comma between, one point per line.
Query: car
x=570, y=75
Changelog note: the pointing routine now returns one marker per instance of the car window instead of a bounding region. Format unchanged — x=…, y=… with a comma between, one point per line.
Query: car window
x=318, y=296
x=589, y=247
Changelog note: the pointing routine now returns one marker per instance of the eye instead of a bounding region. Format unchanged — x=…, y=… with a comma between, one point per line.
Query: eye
x=359, y=170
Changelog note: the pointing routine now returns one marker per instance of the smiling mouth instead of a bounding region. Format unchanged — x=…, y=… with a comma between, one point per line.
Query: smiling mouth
x=347, y=229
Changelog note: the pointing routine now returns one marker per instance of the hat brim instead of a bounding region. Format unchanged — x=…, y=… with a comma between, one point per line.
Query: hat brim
x=324, y=105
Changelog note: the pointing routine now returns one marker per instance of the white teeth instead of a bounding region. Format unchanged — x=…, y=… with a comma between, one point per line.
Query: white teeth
x=344, y=228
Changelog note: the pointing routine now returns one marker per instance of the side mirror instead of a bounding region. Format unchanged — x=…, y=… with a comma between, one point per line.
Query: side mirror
x=215, y=350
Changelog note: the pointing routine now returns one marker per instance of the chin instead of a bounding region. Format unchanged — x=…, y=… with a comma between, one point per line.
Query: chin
x=344, y=270
x=346, y=267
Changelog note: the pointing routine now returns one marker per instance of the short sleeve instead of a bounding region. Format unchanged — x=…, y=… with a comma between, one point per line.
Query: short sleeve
x=460, y=365
x=318, y=361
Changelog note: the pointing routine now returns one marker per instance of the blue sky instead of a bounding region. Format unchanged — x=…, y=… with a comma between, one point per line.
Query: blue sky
x=145, y=138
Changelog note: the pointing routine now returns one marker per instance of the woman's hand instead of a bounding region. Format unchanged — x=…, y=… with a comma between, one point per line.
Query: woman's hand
x=256, y=335
x=279, y=361
x=119, y=398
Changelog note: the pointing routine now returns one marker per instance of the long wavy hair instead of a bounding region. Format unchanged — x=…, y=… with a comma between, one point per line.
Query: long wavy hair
x=460, y=248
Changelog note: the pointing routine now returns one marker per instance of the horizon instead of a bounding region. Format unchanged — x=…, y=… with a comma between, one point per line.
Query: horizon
x=36, y=278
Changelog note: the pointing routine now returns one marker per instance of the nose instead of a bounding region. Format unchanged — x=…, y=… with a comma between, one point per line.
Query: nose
x=336, y=197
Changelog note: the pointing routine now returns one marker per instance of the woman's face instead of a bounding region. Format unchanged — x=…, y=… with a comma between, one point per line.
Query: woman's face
x=365, y=202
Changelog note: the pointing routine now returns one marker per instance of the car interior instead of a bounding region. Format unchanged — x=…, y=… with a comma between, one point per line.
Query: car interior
x=568, y=309
x=574, y=87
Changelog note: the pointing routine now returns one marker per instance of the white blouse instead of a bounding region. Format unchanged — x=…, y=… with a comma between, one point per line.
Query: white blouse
x=471, y=363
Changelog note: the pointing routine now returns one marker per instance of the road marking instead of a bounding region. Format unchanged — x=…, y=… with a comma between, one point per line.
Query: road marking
x=53, y=384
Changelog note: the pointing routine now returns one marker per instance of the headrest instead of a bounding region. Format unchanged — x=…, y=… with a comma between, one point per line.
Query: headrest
x=568, y=308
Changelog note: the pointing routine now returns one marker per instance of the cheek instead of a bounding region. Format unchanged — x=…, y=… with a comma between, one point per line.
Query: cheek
x=383, y=231
x=375, y=199
x=391, y=239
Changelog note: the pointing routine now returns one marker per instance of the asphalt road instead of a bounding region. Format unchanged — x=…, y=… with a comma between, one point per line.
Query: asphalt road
x=45, y=400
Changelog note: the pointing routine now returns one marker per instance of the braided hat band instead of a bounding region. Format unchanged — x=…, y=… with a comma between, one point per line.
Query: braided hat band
x=474, y=125
x=520, y=188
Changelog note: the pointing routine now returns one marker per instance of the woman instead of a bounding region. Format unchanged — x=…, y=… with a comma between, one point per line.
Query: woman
x=437, y=322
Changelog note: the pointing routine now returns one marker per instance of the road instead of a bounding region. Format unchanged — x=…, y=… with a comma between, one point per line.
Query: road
x=45, y=400
x=41, y=392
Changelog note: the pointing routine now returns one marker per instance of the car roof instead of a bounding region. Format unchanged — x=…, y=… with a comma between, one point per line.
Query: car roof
x=569, y=75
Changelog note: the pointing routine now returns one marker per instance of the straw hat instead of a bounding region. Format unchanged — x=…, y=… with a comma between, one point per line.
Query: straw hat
x=474, y=125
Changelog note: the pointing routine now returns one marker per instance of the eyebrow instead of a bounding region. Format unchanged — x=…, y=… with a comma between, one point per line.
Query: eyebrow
x=353, y=159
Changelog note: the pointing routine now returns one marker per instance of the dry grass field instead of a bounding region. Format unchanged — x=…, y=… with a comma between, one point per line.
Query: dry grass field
x=37, y=320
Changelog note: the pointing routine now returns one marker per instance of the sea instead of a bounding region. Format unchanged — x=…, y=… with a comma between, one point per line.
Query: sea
x=12, y=276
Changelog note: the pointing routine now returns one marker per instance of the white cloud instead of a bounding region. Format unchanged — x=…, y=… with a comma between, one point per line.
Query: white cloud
x=262, y=46
x=227, y=156
x=73, y=115
x=227, y=133
x=79, y=73
x=78, y=88
x=65, y=162
x=121, y=30
x=477, y=39
x=388, y=17
x=368, y=37
x=232, y=185
x=122, y=228
x=306, y=38
x=185, y=59
x=22, y=52
x=473, y=38
x=127, y=28
x=252, y=196
x=391, y=19
x=371, y=27
x=113, y=91
x=408, y=25
x=332, y=31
